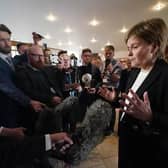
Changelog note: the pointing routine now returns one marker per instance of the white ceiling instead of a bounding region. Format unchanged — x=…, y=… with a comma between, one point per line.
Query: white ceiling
x=25, y=16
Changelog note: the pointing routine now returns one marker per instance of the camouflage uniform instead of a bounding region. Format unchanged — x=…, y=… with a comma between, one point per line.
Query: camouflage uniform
x=97, y=118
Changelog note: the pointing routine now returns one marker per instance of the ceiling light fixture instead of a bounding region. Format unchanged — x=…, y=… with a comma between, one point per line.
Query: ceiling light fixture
x=93, y=40
x=51, y=17
x=124, y=30
x=81, y=47
x=67, y=30
x=70, y=43
x=102, y=49
x=60, y=43
x=47, y=36
x=108, y=43
x=159, y=6
x=94, y=22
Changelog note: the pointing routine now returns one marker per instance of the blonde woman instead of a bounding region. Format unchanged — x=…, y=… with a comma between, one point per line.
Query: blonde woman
x=143, y=127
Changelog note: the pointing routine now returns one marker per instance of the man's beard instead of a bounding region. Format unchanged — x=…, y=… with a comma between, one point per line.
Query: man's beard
x=5, y=50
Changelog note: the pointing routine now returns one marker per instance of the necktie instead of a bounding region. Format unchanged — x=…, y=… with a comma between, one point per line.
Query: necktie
x=69, y=78
x=69, y=81
x=10, y=62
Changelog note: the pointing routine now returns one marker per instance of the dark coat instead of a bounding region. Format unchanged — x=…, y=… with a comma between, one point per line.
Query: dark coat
x=94, y=71
x=41, y=85
x=143, y=144
x=20, y=59
x=11, y=98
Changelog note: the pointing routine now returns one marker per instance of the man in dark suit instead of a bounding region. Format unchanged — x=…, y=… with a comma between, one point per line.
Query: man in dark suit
x=11, y=98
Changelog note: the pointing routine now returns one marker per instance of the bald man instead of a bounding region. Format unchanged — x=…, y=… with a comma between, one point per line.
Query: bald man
x=44, y=84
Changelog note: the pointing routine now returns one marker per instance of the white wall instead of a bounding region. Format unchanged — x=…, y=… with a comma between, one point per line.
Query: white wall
x=121, y=54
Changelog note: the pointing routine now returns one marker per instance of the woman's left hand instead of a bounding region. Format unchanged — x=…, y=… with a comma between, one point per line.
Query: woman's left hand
x=136, y=107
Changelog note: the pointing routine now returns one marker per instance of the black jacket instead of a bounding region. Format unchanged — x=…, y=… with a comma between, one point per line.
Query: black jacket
x=12, y=99
x=143, y=144
x=94, y=71
x=41, y=85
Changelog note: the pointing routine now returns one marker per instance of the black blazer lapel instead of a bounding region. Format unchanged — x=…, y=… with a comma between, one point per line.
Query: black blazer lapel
x=152, y=77
x=132, y=77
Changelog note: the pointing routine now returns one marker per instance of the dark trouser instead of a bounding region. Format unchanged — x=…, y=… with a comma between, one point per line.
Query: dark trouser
x=28, y=118
x=85, y=100
x=69, y=109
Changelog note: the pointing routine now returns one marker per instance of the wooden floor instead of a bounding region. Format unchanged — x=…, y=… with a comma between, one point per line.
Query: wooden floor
x=104, y=155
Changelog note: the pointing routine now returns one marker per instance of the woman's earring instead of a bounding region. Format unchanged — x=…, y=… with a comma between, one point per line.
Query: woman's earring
x=152, y=58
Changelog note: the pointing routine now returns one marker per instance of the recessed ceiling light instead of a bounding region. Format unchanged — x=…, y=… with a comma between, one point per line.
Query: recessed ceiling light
x=159, y=6
x=47, y=36
x=102, y=49
x=70, y=43
x=81, y=47
x=124, y=30
x=67, y=30
x=51, y=17
x=94, y=22
x=60, y=43
x=93, y=40
x=108, y=43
